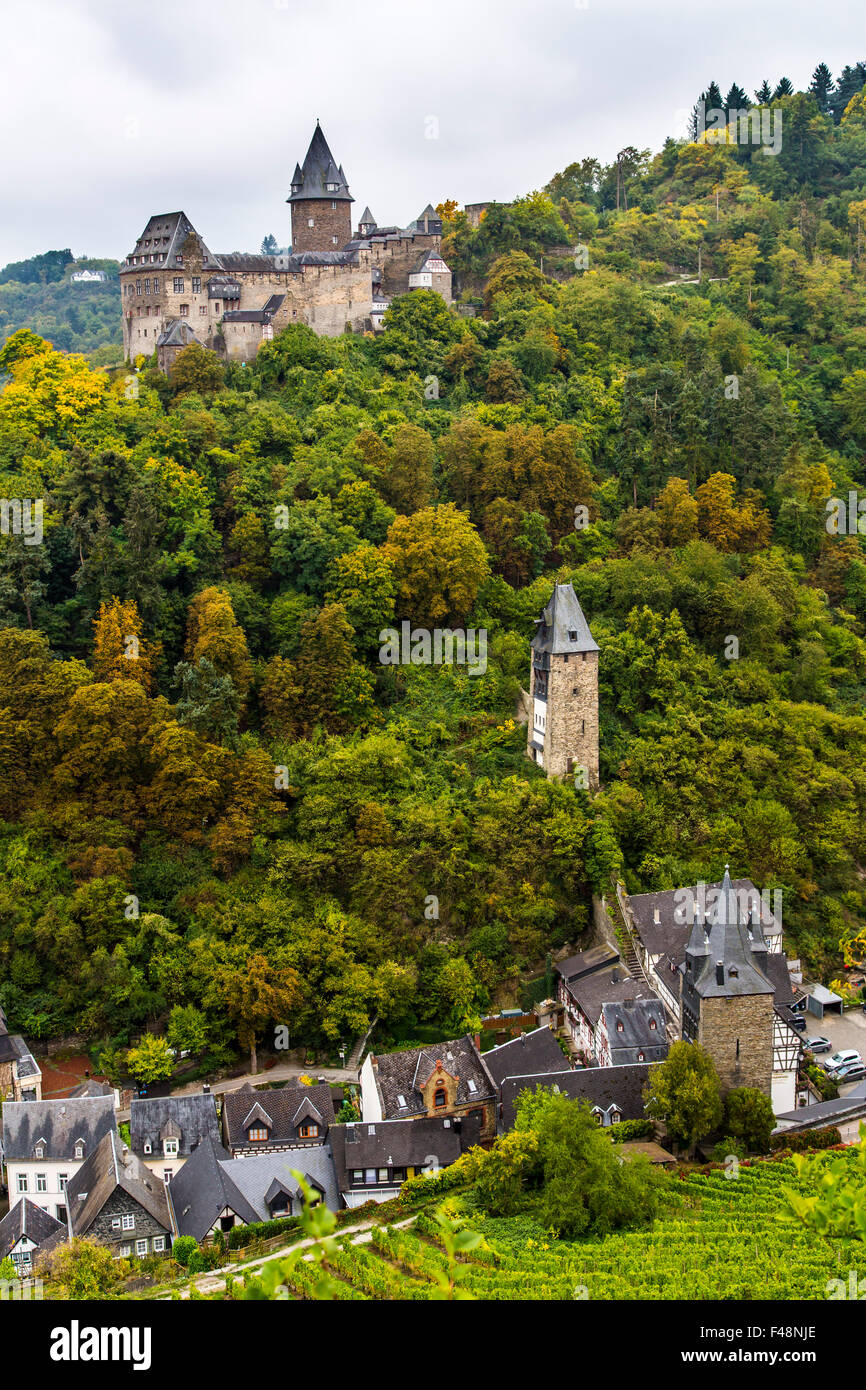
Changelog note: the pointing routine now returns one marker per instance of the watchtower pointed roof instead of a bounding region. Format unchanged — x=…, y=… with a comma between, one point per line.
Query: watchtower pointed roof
x=721, y=953
x=562, y=627
x=320, y=176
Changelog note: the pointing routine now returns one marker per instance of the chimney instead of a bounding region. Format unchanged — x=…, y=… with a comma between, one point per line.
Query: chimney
x=720, y=973
x=206, y=1088
x=477, y=1041
x=657, y=917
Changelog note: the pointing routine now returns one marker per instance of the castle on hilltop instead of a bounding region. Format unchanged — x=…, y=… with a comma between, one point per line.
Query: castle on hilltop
x=175, y=291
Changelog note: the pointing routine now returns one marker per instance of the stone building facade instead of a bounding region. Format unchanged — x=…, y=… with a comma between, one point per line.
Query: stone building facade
x=174, y=290
x=563, y=724
x=727, y=997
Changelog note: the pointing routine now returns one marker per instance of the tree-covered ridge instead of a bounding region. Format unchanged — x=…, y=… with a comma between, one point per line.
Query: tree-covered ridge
x=38, y=294
x=218, y=799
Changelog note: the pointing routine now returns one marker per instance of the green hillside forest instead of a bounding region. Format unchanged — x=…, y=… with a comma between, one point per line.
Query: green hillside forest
x=217, y=799
x=40, y=294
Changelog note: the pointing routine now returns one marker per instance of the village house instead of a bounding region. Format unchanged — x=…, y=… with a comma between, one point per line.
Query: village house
x=255, y=1122
x=613, y=1094
x=20, y=1076
x=214, y=1192
x=164, y=1131
x=373, y=1159
x=586, y=983
x=24, y=1231
x=46, y=1142
x=449, y=1078
x=116, y=1201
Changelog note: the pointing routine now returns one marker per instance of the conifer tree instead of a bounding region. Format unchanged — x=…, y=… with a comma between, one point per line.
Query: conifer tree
x=821, y=86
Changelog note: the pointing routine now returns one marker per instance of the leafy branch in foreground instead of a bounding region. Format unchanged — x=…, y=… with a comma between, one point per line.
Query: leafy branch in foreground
x=837, y=1207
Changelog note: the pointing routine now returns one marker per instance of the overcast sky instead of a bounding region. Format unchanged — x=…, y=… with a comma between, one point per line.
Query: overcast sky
x=114, y=111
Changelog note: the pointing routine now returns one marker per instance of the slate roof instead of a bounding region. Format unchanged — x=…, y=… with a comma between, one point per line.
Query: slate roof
x=670, y=934
x=724, y=953
x=91, y=1088
x=615, y=985
x=401, y=1143
x=193, y=1117
x=243, y=260
x=202, y=1189
x=535, y=1051
x=59, y=1124
x=178, y=333
x=26, y=1219
x=366, y=219
x=602, y=1086
x=630, y=1030
x=319, y=169
x=259, y=1174
x=825, y=1112
x=587, y=962
x=399, y=1073
x=284, y=1109
x=111, y=1166
x=563, y=616
x=429, y=255
x=177, y=227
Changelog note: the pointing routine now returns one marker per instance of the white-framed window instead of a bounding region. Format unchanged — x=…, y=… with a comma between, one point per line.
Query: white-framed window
x=148, y=1147
x=79, y=1150
x=169, y=1147
x=311, y=221
x=184, y=311
x=615, y=1117
x=178, y=284
x=115, y=1223
x=141, y=1247
x=22, y=1183
x=40, y=1152
x=125, y=1251
x=41, y=1182
x=196, y=284
x=333, y=241
x=167, y=1174
x=159, y=1243
x=63, y=1179
x=128, y=1222
x=333, y=207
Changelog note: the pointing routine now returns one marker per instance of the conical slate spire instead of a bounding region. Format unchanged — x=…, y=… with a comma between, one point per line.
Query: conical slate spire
x=320, y=176
x=563, y=627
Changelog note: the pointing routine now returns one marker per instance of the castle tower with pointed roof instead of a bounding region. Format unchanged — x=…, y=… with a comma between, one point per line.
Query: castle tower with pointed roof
x=563, y=690
x=727, y=999
x=320, y=200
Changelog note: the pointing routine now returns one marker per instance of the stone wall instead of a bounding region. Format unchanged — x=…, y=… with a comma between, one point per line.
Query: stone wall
x=746, y=1020
x=571, y=732
x=121, y=1204
x=332, y=224
x=400, y=256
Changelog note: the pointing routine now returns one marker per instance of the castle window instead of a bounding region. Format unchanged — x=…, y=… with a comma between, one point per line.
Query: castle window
x=147, y=287
x=216, y=308
x=196, y=284
x=334, y=207
x=738, y=1047
x=138, y=287
x=583, y=726
x=184, y=311
x=440, y=1098
x=572, y=636
x=202, y=309
x=311, y=222
x=156, y=285
x=334, y=240
x=178, y=285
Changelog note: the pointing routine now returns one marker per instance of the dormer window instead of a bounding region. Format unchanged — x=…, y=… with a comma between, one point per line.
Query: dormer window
x=309, y=1131
x=619, y=1026
x=615, y=1117
x=640, y=1056
x=148, y=1147
x=257, y=1134
x=40, y=1151
x=169, y=1148
x=440, y=1097
x=652, y=1024
x=572, y=635
x=79, y=1150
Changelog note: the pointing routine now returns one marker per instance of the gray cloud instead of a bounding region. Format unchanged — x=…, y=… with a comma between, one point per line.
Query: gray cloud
x=121, y=110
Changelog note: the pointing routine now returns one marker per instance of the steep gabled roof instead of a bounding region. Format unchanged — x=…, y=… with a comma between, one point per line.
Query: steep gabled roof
x=600, y=1086
x=110, y=1167
x=203, y=1189
x=535, y=1051
x=563, y=627
x=166, y=232
x=259, y=1176
x=318, y=170
x=722, y=956
x=279, y=1108
x=26, y=1219
x=60, y=1123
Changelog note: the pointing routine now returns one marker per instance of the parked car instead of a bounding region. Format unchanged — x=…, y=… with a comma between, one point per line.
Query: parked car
x=839, y=1059
x=817, y=1044
x=798, y=1021
x=851, y=1071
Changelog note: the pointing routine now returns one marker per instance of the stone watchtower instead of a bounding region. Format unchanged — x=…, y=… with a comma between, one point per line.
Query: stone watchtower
x=563, y=690
x=320, y=200
x=727, y=1000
